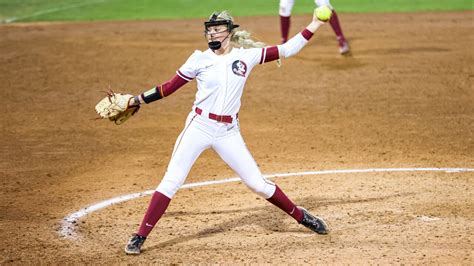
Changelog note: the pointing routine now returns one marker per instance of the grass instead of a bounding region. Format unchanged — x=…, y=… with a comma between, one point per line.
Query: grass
x=87, y=10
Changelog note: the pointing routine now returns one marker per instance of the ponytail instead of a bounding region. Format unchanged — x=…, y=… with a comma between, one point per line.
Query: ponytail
x=243, y=39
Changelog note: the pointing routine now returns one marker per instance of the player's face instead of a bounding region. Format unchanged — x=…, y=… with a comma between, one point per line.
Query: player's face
x=217, y=33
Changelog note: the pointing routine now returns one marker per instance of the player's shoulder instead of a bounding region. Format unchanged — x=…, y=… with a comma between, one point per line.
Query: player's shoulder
x=195, y=57
x=196, y=53
x=250, y=49
x=253, y=52
x=242, y=50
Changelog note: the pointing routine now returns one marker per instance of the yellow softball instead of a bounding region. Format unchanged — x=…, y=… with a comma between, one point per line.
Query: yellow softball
x=323, y=13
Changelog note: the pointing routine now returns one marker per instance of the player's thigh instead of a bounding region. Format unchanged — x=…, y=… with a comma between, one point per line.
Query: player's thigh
x=235, y=153
x=189, y=145
x=323, y=3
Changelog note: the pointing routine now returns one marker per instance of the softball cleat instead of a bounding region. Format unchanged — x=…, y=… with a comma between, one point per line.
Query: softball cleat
x=134, y=245
x=314, y=223
x=344, y=48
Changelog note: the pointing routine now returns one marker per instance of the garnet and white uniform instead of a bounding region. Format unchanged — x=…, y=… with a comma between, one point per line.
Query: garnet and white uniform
x=213, y=121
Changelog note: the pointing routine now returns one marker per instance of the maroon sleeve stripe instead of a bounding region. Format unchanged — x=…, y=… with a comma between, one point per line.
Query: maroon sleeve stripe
x=262, y=58
x=183, y=76
x=307, y=34
x=272, y=54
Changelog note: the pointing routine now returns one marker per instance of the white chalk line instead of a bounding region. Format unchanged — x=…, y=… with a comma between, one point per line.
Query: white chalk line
x=69, y=223
x=51, y=10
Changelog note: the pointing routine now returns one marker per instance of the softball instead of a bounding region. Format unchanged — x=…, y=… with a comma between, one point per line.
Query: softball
x=323, y=13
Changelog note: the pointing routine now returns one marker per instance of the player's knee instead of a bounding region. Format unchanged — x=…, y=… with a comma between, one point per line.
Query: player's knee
x=262, y=187
x=171, y=183
x=167, y=188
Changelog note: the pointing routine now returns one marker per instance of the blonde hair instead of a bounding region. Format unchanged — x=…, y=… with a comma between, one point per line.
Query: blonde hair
x=239, y=38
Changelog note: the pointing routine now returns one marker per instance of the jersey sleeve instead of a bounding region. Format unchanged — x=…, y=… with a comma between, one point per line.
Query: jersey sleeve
x=254, y=55
x=263, y=55
x=188, y=70
x=269, y=54
x=295, y=44
x=290, y=48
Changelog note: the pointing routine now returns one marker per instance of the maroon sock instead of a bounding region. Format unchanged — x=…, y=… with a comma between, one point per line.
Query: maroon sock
x=157, y=207
x=336, y=26
x=285, y=28
x=280, y=200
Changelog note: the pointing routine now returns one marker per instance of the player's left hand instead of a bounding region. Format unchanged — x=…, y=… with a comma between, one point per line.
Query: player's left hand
x=115, y=107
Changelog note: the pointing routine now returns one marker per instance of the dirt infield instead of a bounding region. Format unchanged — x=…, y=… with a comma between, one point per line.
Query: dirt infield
x=403, y=99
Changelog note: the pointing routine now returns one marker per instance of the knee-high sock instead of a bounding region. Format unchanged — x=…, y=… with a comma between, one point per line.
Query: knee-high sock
x=336, y=26
x=285, y=28
x=280, y=200
x=157, y=207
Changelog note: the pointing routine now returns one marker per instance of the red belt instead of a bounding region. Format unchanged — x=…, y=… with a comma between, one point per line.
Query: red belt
x=218, y=118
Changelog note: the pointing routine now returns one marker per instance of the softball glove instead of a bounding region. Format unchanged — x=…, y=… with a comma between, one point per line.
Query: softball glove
x=115, y=107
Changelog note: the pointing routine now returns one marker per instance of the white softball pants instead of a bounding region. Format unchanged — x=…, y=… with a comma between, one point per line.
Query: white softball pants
x=201, y=133
x=287, y=5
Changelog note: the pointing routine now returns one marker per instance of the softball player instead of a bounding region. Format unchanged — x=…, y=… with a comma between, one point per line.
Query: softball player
x=221, y=72
x=285, y=13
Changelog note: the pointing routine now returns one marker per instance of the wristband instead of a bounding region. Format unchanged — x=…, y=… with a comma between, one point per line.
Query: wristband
x=151, y=95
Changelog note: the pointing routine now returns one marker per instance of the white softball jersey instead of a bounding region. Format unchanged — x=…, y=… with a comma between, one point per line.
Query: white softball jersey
x=220, y=78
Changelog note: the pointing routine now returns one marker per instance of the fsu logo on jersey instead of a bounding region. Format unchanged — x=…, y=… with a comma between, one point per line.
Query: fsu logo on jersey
x=239, y=68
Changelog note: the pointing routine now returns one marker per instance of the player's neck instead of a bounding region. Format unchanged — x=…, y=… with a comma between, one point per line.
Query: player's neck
x=223, y=50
